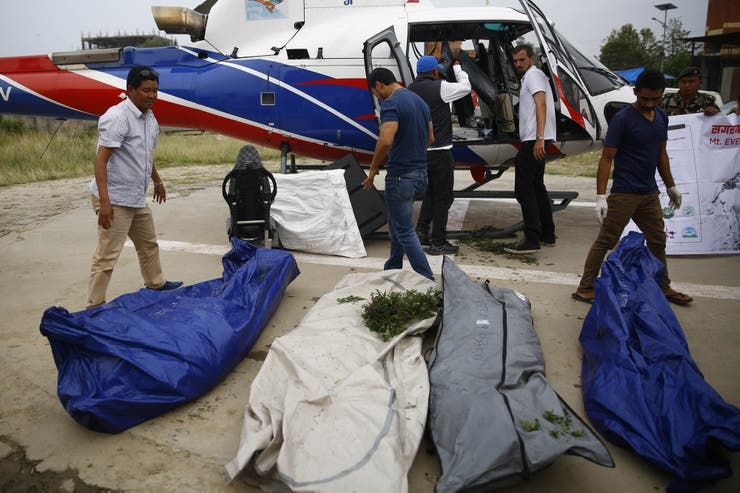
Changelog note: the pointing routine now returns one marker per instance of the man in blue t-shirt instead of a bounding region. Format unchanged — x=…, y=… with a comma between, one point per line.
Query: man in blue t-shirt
x=636, y=142
x=405, y=133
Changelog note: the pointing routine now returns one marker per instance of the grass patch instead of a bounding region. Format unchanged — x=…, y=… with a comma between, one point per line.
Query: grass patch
x=389, y=313
x=579, y=165
x=184, y=149
x=480, y=240
x=69, y=155
x=349, y=299
x=557, y=427
x=530, y=425
x=564, y=425
x=72, y=151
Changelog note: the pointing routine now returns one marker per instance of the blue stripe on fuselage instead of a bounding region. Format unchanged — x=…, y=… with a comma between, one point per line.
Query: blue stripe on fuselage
x=292, y=113
x=227, y=89
x=463, y=154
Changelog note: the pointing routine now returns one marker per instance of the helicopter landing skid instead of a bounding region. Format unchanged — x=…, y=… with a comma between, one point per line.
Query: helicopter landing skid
x=560, y=200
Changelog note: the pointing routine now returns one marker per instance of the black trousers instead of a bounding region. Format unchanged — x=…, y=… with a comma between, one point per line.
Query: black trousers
x=530, y=192
x=438, y=197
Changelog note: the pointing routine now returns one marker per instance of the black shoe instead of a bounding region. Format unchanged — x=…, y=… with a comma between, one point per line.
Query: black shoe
x=423, y=236
x=523, y=247
x=168, y=285
x=548, y=242
x=445, y=248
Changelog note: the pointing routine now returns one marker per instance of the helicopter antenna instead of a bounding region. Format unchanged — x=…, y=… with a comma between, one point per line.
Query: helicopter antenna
x=297, y=26
x=62, y=120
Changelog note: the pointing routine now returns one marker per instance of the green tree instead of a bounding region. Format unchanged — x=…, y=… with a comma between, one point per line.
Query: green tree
x=678, y=53
x=652, y=48
x=627, y=48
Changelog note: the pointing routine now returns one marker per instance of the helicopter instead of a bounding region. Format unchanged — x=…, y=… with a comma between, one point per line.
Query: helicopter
x=292, y=75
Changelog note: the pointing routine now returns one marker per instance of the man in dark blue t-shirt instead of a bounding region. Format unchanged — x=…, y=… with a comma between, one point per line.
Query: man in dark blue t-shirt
x=636, y=142
x=405, y=133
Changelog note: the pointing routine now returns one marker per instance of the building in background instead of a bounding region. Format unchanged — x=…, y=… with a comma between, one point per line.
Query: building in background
x=720, y=59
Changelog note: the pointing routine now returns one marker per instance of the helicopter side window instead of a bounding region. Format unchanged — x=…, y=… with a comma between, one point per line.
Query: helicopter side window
x=267, y=98
x=575, y=97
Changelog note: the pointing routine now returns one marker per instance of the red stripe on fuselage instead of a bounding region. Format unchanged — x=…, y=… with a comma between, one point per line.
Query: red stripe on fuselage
x=172, y=114
x=33, y=63
x=356, y=83
x=70, y=89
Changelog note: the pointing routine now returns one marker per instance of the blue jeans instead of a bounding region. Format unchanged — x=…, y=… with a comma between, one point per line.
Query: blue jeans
x=400, y=192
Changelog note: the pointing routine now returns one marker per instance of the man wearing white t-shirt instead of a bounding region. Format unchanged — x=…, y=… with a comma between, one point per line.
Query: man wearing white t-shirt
x=536, y=131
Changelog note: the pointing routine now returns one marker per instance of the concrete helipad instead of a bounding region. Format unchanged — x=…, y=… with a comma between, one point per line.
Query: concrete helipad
x=185, y=450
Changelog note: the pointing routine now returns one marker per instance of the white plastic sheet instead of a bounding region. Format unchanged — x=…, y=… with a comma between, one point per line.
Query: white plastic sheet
x=312, y=213
x=334, y=408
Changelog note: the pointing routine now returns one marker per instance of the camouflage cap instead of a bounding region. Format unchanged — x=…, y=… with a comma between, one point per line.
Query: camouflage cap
x=689, y=71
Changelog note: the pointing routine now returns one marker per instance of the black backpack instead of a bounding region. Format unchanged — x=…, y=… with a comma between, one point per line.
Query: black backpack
x=251, y=191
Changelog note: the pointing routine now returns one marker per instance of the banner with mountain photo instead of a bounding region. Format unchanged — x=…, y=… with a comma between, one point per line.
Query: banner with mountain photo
x=704, y=152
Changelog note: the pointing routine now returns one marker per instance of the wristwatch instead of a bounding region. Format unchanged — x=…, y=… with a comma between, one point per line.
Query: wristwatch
x=540, y=137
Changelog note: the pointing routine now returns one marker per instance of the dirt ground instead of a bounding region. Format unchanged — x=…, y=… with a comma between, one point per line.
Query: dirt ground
x=19, y=475
x=46, y=237
x=25, y=206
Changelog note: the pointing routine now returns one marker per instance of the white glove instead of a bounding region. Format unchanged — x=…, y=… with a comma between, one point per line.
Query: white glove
x=675, y=198
x=601, y=208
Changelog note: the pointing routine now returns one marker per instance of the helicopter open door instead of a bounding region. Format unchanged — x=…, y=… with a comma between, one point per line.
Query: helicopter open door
x=384, y=50
x=577, y=119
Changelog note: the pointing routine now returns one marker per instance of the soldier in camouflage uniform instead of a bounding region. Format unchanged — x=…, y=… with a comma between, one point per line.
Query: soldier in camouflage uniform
x=688, y=99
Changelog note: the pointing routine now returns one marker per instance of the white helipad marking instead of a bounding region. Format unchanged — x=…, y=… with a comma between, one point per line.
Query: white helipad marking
x=456, y=214
x=474, y=271
x=582, y=204
x=459, y=208
x=513, y=201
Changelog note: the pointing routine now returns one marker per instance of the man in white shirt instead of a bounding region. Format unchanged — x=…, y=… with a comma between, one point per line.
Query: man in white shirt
x=123, y=165
x=536, y=131
x=438, y=94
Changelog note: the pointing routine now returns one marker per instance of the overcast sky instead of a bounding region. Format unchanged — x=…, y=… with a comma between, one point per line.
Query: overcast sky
x=41, y=26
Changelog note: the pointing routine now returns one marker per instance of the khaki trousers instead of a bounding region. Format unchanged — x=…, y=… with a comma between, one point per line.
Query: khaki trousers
x=645, y=210
x=134, y=223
